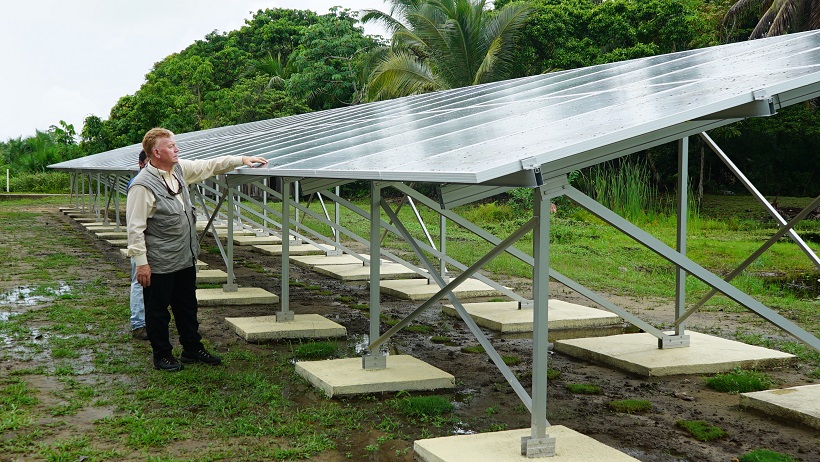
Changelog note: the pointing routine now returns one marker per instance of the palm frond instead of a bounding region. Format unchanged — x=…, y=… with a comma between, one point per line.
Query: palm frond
x=400, y=74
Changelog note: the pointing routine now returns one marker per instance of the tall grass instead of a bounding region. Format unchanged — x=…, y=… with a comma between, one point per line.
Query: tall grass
x=624, y=188
x=42, y=182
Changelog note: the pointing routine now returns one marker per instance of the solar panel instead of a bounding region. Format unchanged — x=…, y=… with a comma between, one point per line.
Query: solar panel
x=494, y=133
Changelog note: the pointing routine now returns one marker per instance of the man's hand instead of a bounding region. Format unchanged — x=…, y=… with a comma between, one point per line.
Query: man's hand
x=144, y=275
x=251, y=160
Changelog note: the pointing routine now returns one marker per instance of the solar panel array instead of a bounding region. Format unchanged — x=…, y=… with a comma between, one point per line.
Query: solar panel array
x=489, y=133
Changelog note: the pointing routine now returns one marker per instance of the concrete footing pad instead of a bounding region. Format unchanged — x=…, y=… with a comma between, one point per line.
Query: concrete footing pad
x=570, y=446
x=505, y=317
x=796, y=404
x=106, y=229
x=309, y=261
x=293, y=249
x=347, y=377
x=118, y=242
x=419, y=289
x=256, y=240
x=112, y=234
x=639, y=354
x=244, y=296
x=213, y=276
x=261, y=328
x=359, y=272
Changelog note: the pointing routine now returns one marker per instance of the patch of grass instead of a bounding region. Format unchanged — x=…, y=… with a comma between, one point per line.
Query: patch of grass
x=429, y=406
x=419, y=328
x=315, y=350
x=765, y=455
x=583, y=388
x=208, y=285
x=473, y=349
x=344, y=299
x=553, y=374
x=630, y=406
x=739, y=381
x=511, y=360
x=815, y=374
x=360, y=307
x=440, y=339
x=701, y=430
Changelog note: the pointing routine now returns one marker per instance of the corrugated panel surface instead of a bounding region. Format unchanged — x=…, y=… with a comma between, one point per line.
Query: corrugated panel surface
x=482, y=133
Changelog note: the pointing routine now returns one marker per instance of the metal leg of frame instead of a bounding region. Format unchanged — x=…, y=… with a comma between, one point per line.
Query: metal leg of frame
x=231, y=285
x=284, y=313
x=539, y=443
x=374, y=359
x=680, y=340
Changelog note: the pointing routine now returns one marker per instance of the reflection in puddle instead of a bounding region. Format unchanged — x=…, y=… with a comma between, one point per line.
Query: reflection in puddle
x=30, y=296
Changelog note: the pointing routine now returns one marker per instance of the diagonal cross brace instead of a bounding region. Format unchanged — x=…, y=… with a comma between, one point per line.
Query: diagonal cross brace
x=447, y=288
x=691, y=267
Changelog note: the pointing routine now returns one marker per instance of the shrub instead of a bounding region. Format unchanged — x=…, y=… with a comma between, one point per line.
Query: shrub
x=42, y=183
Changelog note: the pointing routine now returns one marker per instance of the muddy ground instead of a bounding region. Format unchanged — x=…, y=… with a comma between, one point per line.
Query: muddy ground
x=650, y=437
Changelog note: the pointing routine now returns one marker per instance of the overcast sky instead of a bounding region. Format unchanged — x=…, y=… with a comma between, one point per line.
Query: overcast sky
x=69, y=59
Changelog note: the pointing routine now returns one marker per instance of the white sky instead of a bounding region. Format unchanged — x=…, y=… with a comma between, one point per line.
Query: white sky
x=65, y=60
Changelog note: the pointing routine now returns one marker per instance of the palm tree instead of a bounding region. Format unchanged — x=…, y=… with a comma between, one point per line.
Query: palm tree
x=441, y=44
x=779, y=16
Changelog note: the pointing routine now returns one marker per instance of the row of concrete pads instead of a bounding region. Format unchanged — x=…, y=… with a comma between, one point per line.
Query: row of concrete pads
x=634, y=353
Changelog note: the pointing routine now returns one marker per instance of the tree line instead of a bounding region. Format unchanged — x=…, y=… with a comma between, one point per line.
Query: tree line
x=284, y=62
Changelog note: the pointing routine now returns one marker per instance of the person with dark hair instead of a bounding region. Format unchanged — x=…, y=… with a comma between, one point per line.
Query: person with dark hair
x=135, y=300
x=162, y=239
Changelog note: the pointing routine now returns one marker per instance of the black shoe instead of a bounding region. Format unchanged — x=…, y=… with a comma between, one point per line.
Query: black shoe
x=139, y=334
x=168, y=363
x=200, y=356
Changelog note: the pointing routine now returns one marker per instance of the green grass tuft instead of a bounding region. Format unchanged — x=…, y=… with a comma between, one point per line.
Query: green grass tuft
x=702, y=431
x=739, y=381
x=765, y=455
x=584, y=388
x=473, y=349
x=315, y=350
x=429, y=406
x=630, y=406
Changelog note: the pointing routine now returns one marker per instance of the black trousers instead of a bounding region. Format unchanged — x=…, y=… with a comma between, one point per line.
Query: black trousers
x=178, y=290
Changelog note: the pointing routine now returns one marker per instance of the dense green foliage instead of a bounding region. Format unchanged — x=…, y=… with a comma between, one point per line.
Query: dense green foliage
x=284, y=62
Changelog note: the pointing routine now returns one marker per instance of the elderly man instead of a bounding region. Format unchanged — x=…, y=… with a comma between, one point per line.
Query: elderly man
x=162, y=239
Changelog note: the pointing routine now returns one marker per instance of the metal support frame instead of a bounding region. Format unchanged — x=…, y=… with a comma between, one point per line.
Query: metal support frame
x=447, y=289
x=231, y=285
x=373, y=359
x=754, y=192
x=539, y=443
x=691, y=267
x=285, y=314
x=680, y=339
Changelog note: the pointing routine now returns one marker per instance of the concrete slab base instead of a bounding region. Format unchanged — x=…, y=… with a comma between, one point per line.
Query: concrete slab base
x=309, y=261
x=639, y=354
x=256, y=240
x=419, y=289
x=118, y=242
x=505, y=317
x=347, y=377
x=213, y=276
x=244, y=296
x=293, y=249
x=570, y=446
x=359, y=272
x=261, y=328
x=796, y=404
x=200, y=265
x=112, y=235
x=105, y=229
x=95, y=223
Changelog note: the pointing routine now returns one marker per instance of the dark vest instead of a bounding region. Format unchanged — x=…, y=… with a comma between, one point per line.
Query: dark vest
x=170, y=235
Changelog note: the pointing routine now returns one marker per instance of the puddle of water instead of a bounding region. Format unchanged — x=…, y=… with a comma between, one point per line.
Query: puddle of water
x=30, y=296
